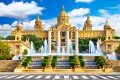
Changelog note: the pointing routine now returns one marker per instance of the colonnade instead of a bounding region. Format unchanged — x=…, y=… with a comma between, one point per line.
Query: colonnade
x=67, y=39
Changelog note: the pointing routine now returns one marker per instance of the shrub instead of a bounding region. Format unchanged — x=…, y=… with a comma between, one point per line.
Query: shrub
x=96, y=58
x=45, y=60
x=101, y=64
x=80, y=57
x=25, y=64
x=72, y=60
x=82, y=63
x=44, y=64
x=72, y=64
x=55, y=57
x=71, y=57
x=54, y=60
x=46, y=57
x=53, y=64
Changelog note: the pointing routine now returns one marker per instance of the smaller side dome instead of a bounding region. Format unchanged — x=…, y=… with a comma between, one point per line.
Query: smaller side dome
x=19, y=26
x=107, y=25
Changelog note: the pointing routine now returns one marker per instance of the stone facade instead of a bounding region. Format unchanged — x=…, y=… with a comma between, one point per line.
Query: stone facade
x=63, y=25
x=110, y=46
x=16, y=46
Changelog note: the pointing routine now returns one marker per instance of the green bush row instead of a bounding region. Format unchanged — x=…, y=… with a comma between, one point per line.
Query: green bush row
x=100, y=61
x=76, y=60
x=27, y=61
x=54, y=60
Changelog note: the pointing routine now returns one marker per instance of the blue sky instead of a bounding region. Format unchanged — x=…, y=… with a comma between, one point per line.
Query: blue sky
x=25, y=10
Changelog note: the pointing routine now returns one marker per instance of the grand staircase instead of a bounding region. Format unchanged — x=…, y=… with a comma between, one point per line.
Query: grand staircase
x=35, y=64
x=90, y=64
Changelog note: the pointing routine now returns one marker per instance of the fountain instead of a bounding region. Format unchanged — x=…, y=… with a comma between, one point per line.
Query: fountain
x=32, y=50
x=91, y=47
x=16, y=57
x=45, y=46
x=98, y=50
x=42, y=49
x=93, y=51
x=112, y=56
x=63, y=50
x=70, y=46
x=58, y=49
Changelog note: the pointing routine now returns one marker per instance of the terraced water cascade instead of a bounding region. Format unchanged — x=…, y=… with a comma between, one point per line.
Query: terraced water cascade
x=35, y=64
x=63, y=64
x=90, y=64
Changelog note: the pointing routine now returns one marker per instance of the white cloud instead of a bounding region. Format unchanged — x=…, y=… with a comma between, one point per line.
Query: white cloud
x=14, y=24
x=114, y=19
x=79, y=19
x=49, y=23
x=104, y=12
x=115, y=7
x=19, y=10
x=5, y=27
x=29, y=25
x=5, y=30
x=85, y=1
x=76, y=20
x=78, y=12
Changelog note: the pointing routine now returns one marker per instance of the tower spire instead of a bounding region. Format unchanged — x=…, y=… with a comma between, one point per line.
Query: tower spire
x=88, y=17
x=19, y=23
x=38, y=18
x=107, y=23
x=62, y=8
x=38, y=23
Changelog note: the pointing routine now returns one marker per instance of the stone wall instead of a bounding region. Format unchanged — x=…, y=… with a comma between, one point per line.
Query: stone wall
x=89, y=57
x=8, y=65
x=115, y=65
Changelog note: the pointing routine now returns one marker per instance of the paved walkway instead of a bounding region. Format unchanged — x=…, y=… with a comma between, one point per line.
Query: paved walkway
x=59, y=77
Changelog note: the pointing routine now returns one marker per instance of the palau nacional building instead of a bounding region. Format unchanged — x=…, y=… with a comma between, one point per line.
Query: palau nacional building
x=62, y=32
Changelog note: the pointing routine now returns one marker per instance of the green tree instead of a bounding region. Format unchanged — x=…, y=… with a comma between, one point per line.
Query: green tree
x=25, y=52
x=4, y=51
x=27, y=61
x=10, y=37
x=103, y=38
x=1, y=38
x=118, y=49
x=35, y=41
x=116, y=37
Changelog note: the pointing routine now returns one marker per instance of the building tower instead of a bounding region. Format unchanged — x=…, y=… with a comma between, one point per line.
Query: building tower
x=88, y=23
x=18, y=31
x=19, y=26
x=63, y=17
x=109, y=32
x=38, y=24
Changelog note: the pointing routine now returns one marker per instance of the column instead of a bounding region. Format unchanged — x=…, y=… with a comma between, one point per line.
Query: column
x=76, y=42
x=67, y=41
x=58, y=41
x=49, y=41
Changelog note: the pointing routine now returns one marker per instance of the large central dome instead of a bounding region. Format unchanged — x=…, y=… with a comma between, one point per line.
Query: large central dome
x=63, y=13
x=63, y=17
